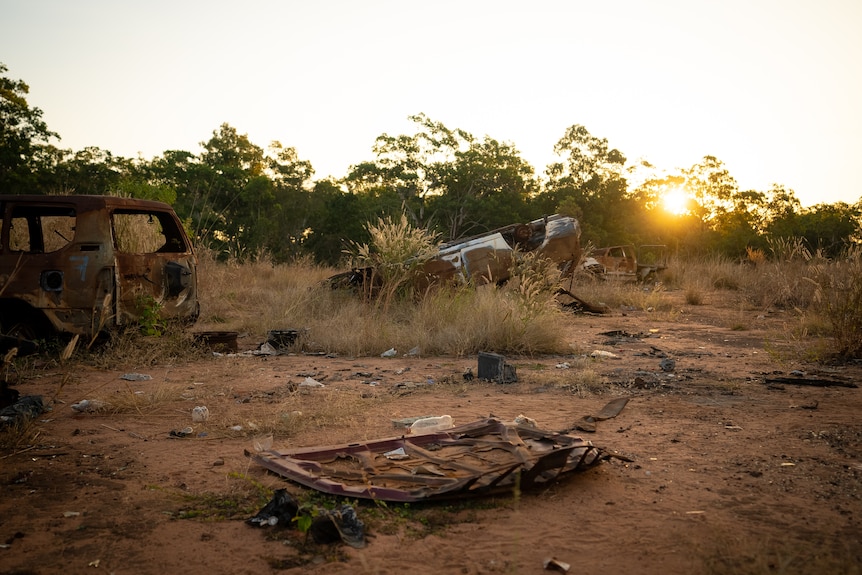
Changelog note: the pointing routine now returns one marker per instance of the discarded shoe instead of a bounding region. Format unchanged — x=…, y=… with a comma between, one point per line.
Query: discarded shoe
x=338, y=524
x=279, y=511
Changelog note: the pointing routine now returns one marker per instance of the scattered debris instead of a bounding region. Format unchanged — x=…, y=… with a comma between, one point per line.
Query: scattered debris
x=480, y=458
x=26, y=407
x=136, y=377
x=310, y=382
x=528, y=421
x=408, y=421
x=181, y=433
x=218, y=341
x=493, y=367
x=342, y=523
x=329, y=526
x=600, y=353
x=391, y=352
x=667, y=365
x=282, y=339
x=776, y=381
x=200, y=414
x=556, y=565
x=88, y=406
x=577, y=305
x=431, y=424
x=609, y=411
x=281, y=509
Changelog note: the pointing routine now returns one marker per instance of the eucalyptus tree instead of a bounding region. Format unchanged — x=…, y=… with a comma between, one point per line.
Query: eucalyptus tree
x=589, y=182
x=26, y=152
x=447, y=179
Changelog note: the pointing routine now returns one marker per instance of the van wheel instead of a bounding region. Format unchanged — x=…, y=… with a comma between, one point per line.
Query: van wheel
x=21, y=331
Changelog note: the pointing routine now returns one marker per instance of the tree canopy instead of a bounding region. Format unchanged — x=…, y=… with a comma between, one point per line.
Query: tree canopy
x=243, y=200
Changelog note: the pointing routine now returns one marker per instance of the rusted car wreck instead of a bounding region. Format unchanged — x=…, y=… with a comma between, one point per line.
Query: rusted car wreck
x=488, y=257
x=627, y=263
x=84, y=264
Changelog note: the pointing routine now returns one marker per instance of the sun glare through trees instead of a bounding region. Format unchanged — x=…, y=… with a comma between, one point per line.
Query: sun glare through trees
x=676, y=200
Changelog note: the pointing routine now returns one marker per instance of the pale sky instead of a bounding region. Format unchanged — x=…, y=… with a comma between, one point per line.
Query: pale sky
x=773, y=88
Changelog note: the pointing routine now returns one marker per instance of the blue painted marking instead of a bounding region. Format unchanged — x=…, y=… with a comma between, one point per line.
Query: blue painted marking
x=82, y=266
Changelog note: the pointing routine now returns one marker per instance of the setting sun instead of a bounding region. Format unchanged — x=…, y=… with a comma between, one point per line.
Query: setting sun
x=676, y=201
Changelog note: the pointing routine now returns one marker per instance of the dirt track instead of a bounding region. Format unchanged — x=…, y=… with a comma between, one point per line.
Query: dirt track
x=730, y=473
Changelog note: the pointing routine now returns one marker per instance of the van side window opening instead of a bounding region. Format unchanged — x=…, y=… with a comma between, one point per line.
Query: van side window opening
x=146, y=232
x=35, y=229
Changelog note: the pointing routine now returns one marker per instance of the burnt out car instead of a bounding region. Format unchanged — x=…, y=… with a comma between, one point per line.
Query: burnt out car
x=86, y=264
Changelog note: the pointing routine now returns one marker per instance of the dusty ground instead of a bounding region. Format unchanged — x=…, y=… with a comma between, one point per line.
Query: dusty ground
x=730, y=474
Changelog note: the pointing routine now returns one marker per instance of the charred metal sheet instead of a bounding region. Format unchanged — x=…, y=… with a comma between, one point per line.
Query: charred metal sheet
x=609, y=411
x=493, y=367
x=480, y=458
x=812, y=381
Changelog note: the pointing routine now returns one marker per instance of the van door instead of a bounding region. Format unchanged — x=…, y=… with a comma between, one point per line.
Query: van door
x=155, y=267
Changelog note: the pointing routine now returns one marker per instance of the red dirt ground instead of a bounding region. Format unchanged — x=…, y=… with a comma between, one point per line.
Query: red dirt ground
x=729, y=474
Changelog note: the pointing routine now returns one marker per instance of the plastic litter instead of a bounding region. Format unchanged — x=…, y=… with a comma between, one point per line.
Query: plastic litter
x=431, y=424
x=200, y=414
x=88, y=405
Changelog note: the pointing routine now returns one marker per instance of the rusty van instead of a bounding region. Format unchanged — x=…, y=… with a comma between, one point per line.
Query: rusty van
x=86, y=264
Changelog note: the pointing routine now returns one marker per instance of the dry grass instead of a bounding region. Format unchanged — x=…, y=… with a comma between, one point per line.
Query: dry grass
x=254, y=298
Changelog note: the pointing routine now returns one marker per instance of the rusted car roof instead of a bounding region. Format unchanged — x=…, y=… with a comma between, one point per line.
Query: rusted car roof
x=479, y=458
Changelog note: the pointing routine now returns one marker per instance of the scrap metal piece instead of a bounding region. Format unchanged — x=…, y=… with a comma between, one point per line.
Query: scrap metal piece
x=493, y=367
x=480, y=458
x=812, y=381
x=613, y=408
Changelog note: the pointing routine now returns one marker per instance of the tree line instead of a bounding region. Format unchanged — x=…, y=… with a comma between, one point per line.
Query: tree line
x=242, y=200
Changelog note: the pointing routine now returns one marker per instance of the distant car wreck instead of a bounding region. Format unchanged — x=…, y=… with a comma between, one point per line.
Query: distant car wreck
x=488, y=258
x=627, y=263
x=480, y=458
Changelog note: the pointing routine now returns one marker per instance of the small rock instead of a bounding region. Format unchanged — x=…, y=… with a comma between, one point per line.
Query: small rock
x=667, y=364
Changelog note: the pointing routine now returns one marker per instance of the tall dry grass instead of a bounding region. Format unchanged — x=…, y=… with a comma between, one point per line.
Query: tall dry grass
x=257, y=297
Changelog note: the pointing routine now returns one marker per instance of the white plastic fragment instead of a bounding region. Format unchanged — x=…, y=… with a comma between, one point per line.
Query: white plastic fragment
x=200, y=414
x=431, y=424
x=397, y=454
x=310, y=382
x=391, y=352
x=526, y=421
x=600, y=353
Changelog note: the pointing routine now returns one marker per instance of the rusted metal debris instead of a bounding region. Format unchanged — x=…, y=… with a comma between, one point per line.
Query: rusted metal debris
x=480, y=458
x=627, y=263
x=487, y=258
x=811, y=381
x=81, y=264
x=609, y=411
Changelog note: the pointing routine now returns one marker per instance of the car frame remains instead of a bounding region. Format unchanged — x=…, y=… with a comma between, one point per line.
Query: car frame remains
x=476, y=459
x=84, y=264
